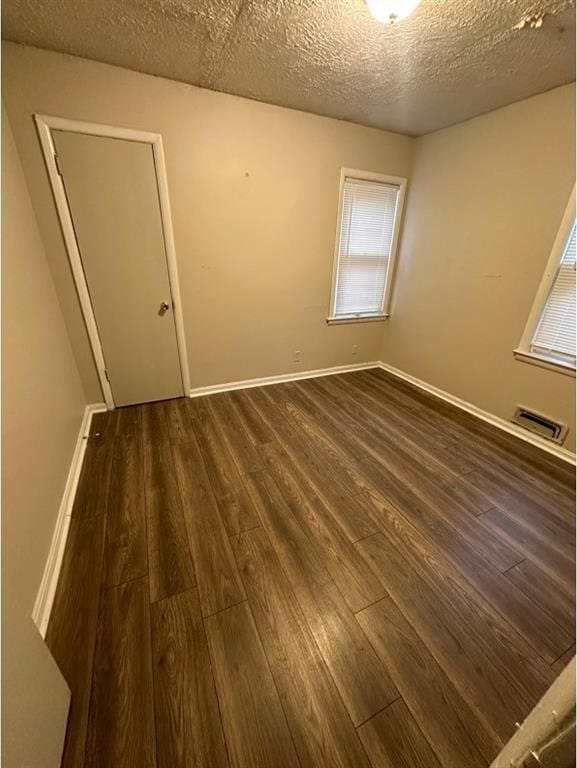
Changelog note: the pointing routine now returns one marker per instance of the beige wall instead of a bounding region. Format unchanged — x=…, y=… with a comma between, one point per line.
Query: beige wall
x=254, y=195
x=42, y=406
x=486, y=200
x=254, y=198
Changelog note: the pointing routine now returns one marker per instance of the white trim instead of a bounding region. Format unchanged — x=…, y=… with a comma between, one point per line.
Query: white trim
x=45, y=124
x=344, y=319
x=96, y=129
x=524, y=351
x=166, y=216
x=544, y=362
x=401, y=182
x=47, y=590
x=496, y=421
x=268, y=380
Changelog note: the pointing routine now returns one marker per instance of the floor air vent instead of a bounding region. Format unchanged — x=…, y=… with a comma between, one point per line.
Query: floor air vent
x=540, y=425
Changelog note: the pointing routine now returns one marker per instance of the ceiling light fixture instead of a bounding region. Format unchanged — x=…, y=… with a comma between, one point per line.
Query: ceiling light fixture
x=391, y=11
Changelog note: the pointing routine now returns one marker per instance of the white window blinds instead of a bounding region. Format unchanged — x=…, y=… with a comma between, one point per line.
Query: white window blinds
x=555, y=334
x=367, y=226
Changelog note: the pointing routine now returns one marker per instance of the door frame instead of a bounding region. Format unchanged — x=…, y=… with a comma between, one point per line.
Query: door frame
x=45, y=124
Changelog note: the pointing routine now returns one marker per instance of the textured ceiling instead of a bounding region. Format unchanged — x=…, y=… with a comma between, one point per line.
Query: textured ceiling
x=449, y=61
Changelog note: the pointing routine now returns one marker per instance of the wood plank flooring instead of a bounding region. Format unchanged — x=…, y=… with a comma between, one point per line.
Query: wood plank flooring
x=342, y=572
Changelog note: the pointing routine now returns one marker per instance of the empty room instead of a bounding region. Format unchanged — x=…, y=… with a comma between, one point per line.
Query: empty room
x=288, y=384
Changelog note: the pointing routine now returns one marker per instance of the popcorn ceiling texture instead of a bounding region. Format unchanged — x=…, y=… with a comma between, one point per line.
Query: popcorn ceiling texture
x=449, y=61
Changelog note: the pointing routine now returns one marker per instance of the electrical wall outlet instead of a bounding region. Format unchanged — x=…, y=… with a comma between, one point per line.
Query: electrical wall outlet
x=355, y=349
x=297, y=356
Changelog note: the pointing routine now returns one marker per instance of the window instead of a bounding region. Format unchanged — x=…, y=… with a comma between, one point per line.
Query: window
x=549, y=337
x=555, y=334
x=370, y=212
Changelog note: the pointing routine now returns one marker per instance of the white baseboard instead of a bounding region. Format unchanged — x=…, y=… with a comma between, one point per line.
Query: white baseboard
x=45, y=597
x=496, y=421
x=267, y=380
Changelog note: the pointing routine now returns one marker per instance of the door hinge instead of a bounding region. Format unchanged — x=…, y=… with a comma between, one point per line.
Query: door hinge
x=58, y=165
x=107, y=376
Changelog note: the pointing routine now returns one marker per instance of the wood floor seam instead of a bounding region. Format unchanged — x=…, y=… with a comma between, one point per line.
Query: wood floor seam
x=89, y=682
x=510, y=568
x=222, y=610
x=375, y=602
x=143, y=575
x=228, y=759
x=174, y=594
x=280, y=697
x=152, y=683
x=562, y=654
x=399, y=698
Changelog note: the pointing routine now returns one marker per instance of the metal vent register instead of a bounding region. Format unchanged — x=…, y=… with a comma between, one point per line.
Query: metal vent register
x=541, y=425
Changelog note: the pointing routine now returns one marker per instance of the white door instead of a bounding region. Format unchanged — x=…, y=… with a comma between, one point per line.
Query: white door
x=112, y=194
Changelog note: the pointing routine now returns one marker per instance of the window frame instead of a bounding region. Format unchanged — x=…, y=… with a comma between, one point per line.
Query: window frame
x=383, y=314
x=523, y=352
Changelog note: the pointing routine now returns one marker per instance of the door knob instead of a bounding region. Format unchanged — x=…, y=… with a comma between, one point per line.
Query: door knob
x=164, y=307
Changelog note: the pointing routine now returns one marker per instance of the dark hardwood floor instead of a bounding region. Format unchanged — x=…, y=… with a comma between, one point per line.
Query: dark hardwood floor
x=340, y=572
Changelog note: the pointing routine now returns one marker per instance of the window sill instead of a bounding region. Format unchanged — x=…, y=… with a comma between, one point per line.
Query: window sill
x=356, y=319
x=543, y=362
